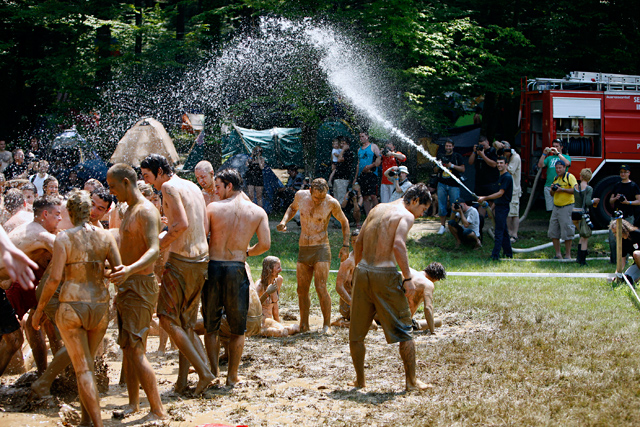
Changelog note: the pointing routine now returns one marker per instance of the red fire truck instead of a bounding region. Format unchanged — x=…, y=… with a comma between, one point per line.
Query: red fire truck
x=596, y=115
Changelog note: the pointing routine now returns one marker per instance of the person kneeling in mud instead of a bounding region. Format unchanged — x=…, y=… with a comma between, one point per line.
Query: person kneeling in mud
x=268, y=288
x=425, y=285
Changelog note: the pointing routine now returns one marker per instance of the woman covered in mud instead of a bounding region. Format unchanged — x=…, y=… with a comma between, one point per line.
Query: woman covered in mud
x=268, y=287
x=82, y=317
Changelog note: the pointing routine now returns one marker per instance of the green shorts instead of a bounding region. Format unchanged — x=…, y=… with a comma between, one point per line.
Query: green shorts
x=310, y=255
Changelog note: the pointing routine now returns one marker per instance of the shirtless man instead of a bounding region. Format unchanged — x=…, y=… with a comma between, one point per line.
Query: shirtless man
x=136, y=286
x=205, y=176
x=16, y=205
x=36, y=240
x=425, y=285
x=314, y=256
x=378, y=288
x=233, y=222
x=186, y=267
x=101, y=202
x=344, y=285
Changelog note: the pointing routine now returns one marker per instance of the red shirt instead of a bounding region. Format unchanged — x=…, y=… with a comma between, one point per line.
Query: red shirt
x=387, y=162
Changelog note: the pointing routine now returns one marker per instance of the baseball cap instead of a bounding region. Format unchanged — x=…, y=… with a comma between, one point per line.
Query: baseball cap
x=560, y=162
x=624, y=166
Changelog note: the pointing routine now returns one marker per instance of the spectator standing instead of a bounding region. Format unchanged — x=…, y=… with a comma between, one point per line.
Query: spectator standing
x=344, y=169
x=502, y=200
x=367, y=173
x=285, y=195
x=336, y=150
x=625, y=197
x=583, y=200
x=390, y=158
x=549, y=157
x=448, y=186
x=484, y=158
x=17, y=169
x=352, y=202
x=514, y=166
x=35, y=152
x=399, y=175
x=38, y=178
x=560, y=225
x=465, y=226
x=5, y=155
x=254, y=177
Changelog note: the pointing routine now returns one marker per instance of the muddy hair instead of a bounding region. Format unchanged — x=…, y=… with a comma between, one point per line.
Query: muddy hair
x=145, y=189
x=268, y=264
x=436, y=271
x=320, y=184
x=155, y=162
x=79, y=207
x=103, y=194
x=418, y=191
x=230, y=176
x=122, y=171
x=45, y=203
x=627, y=227
x=13, y=200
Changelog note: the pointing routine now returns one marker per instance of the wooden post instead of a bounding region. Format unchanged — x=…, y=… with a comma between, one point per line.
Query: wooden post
x=620, y=261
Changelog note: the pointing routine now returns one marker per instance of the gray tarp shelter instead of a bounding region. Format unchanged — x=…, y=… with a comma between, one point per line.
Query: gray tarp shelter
x=280, y=146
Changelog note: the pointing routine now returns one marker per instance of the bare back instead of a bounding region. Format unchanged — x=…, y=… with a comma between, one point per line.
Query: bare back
x=133, y=236
x=21, y=217
x=314, y=218
x=182, y=199
x=386, y=225
x=35, y=241
x=423, y=293
x=233, y=222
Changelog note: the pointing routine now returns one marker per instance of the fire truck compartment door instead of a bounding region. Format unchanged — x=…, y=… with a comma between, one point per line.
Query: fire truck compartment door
x=586, y=108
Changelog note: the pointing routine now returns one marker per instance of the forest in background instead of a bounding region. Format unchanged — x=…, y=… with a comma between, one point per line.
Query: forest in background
x=57, y=58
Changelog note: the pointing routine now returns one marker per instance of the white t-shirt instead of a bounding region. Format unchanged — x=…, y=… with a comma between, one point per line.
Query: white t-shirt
x=404, y=187
x=39, y=182
x=335, y=152
x=473, y=218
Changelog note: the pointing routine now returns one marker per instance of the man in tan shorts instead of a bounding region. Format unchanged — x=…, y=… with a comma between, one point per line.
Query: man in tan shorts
x=186, y=267
x=378, y=288
x=314, y=256
x=233, y=222
x=136, y=286
x=205, y=175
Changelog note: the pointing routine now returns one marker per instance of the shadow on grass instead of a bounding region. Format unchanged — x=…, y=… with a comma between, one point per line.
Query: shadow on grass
x=360, y=396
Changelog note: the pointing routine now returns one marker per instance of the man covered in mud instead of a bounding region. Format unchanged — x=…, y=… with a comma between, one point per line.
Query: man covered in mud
x=137, y=288
x=379, y=289
x=186, y=267
x=344, y=285
x=16, y=205
x=233, y=222
x=101, y=202
x=425, y=285
x=314, y=255
x=36, y=240
x=205, y=177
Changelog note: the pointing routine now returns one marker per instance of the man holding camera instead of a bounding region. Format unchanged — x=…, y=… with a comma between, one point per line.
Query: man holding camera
x=549, y=157
x=390, y=158
x=502, y=199
x=468, y=229
x=484, y=157
x=400, y=178
x=352, y=201
x=560, y=225
x=625, y=197
x=448, y=186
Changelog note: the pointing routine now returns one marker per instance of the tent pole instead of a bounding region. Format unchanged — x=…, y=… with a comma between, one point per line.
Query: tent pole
x=241, y=138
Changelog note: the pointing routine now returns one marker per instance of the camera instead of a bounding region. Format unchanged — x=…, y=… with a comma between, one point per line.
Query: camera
x=392, y=173
x=622, y=198
x=587, y=219
x=555, y=187
x=456, y=206
x=385, y=151
x=352, y=194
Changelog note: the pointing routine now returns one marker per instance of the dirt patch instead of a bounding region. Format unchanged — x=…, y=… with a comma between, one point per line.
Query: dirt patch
x=300, y=380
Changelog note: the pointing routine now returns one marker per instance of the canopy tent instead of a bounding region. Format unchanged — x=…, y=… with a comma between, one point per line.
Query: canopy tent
x=327, y=132
x=280, y=146
x=147, y=136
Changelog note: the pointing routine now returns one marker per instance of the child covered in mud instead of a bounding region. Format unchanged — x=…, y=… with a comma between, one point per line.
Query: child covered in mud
x=268, y=287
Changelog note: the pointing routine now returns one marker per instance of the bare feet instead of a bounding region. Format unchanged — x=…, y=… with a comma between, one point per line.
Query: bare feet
x=326, y=330
x=40, y=390
x=304, y=328
x=152, y=417
x=204, y=384
x=418, y=386
x=124, y=413
x=232, y=382
x=356, y=384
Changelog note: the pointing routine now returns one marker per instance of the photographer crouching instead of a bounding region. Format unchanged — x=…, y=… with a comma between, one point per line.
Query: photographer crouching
x=465, y=224
x=399, y=176
x=352, y=202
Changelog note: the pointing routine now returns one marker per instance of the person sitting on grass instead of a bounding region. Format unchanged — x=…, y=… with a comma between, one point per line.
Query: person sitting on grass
x=268, y=287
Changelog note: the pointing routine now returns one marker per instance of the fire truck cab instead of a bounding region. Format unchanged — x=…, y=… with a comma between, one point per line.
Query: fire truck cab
x=597, y=117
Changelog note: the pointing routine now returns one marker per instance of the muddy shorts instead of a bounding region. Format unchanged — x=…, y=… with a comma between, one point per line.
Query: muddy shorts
x=182, y=282
x=310, y=255
x=91, y=314
x=21, y=300
x=136, y=301
x=8, y=319
x=226, y=292
x=377, y=292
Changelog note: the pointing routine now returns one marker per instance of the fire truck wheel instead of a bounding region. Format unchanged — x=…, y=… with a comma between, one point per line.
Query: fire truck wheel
x=601, y=215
